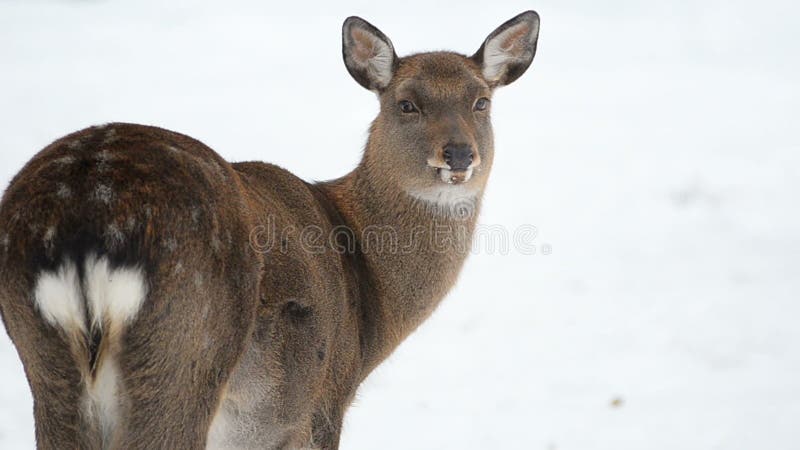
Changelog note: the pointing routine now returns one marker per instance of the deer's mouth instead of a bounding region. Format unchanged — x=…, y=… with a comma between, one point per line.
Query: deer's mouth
x=454, y=176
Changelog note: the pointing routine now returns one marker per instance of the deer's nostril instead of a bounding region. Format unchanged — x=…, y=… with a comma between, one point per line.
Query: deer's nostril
x=448, y=154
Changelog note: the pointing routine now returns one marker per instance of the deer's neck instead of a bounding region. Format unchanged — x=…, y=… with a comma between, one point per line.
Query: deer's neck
x=407, y=256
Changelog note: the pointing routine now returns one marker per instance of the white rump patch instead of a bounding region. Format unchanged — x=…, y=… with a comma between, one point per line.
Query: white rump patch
x=59, y=299
x=114, y=296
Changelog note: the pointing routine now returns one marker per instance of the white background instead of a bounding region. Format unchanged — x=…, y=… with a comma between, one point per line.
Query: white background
x=654, y=146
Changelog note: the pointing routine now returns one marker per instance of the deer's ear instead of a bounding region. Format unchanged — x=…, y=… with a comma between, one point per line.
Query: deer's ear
x=368, y=54
x=508, y=51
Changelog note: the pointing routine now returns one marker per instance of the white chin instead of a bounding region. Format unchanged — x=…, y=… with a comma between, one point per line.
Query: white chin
x=450, y=177
x=455, y=191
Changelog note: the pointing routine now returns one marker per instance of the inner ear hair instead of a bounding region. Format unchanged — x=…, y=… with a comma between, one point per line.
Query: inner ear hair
x=508, y=52
x=368, y=54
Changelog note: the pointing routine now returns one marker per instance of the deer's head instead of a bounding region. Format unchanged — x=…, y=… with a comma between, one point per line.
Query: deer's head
x=433, y=137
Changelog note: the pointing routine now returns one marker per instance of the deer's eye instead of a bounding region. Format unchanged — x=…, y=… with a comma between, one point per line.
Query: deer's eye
x=407, y=107
x=482, y=104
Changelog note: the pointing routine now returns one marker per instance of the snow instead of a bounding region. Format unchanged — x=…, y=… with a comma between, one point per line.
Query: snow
x=653, y=147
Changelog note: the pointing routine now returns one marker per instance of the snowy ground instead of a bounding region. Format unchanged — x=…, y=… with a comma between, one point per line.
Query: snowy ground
x=654, y=146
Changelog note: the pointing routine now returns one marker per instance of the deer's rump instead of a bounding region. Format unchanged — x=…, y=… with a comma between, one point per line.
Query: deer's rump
x=126, y=278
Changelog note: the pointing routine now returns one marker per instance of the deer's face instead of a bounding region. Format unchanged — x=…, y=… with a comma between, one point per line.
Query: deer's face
x=433, y=137
x=434, y=125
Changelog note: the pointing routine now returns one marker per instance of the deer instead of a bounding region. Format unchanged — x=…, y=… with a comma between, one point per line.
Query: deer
x=160, y=297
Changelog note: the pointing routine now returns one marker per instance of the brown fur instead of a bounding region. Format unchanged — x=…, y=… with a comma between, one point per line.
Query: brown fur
x=289, y=331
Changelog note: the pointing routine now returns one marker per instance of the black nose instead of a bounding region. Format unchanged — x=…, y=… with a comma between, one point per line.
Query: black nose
x=458, y=156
